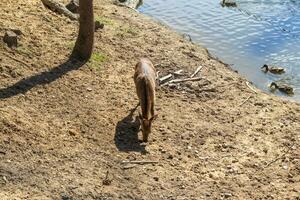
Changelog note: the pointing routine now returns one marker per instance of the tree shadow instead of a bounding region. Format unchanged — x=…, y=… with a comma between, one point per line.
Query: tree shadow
x=126, y=134
x=43, y=78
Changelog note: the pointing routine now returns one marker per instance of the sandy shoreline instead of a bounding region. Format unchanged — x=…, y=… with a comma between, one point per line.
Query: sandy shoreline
x=62, y=131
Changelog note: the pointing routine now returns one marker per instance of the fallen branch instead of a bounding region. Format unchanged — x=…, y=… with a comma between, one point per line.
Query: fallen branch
x=60, y=8
x=139, y=162
x=178, y=72
x=185, y=80
x=196, y=72
x=248, y=84
x=165, y=78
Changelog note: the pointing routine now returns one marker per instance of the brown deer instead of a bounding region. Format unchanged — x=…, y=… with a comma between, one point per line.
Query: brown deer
x=144, y=79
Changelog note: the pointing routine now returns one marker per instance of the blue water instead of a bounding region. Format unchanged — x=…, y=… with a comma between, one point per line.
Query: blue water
x=248, y=36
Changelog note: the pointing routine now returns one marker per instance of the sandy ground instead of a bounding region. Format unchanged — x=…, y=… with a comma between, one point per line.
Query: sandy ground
x=64, y=127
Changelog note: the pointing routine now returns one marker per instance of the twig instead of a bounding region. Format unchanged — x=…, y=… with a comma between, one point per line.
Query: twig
x=17, y=60
x=165, y=78
x=248, y=84
x=185, y=80
x=139, y=162
x=280, y=157
x=178, y=72
x=106, y=181
x=196, y=72
x=129, y=166
x=245, y=101
x=157, y=75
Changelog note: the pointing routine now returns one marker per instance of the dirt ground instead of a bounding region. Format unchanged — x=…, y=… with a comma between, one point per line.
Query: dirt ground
x=64, y=127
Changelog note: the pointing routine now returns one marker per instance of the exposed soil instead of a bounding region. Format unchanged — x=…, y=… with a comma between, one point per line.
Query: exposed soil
x=63, y=126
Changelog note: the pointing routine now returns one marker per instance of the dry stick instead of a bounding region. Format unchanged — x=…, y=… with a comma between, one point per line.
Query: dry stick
x=164, y=78
x=245, y=101
x=17, y=60
x=248, y=84
x=280, y=157
x=183, y=80
x=178, y=72
x=140, y=162
x=157, y=75
x=60, y=8
x=196, y=72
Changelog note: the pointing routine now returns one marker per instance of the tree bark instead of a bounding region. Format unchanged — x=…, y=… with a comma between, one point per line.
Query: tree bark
x=85, y=41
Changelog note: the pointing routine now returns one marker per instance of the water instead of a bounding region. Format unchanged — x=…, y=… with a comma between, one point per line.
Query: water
x=254, y=33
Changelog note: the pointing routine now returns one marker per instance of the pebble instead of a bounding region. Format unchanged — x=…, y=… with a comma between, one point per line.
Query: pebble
x=162, y=150
x=11, y=39
x=285, y=167
x=98, y=25
x=227, y=195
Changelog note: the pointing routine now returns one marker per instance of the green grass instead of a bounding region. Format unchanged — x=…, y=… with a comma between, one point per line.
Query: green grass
x=97, y=59
x=24, y=50
x=127, y=30
x=70, y=44
x=104, y=20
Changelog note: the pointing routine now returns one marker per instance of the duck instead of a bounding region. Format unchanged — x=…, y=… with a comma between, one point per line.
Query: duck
x=273, y=69
x=226, y=3
x=283, y=88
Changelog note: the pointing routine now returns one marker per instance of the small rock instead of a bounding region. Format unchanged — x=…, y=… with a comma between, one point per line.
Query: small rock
x=73, y=132
x=65, y=196
x=227, y=195
x=89, y=89
x=156, y=178
x=285, y=167
x=11, y=39
x=98, y=25
x=134, y=4
x=162, y=150
x=170, y=157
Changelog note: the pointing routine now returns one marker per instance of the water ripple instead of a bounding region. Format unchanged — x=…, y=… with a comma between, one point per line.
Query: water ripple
x=254, y=33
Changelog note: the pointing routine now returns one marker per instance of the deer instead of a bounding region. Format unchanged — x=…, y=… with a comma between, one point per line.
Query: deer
x=145, y=83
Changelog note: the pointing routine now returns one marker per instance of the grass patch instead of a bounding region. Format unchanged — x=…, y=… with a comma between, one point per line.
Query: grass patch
x=127, y=30
x=104, y=20
x=70, y=44
x=24, y=50
x=97, y=59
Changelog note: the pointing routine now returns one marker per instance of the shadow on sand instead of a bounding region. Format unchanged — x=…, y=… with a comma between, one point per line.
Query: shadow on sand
x=126, y=134
x=43, y=78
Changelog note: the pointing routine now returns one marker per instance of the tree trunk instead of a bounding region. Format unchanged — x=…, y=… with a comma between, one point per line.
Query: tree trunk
x=85, y=40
